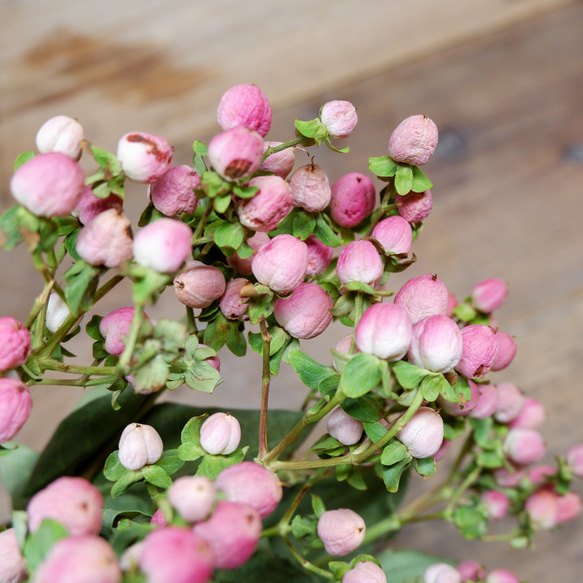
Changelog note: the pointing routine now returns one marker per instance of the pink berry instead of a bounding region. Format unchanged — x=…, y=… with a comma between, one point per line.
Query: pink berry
x=339, y=117
x=89, y=205
x=540, y=473
x=394, y=234
x=422, y=296
x=199, y=285
x=114, y=328
x=359, y=261
x=232, y=305
x=501, y=576
x=471, y=571
x=452, y=303
x=174, y=194
x=60, y=134
x=496, y=504
x=486, y=401
x=236, y=152
x=480, y=348
x=12, y=563
x=144, y=157
x=16, y=343
x=575, y=460
x=524, y=446
x=220, y=434
x=462, y=409
x=506, y=351
x=414, y=140
x=542, y=508
x=310, y=188
x=365, y=572
x=353, y=199
x=245, y=105
x=15, y=407
x=319, y=256
x=139, y=445
x=346, y=429
x=243, y=266
x=569, y=507
x=489, y=294
x=415, y=206
x=342, y=531
x=193, y=497
x=441, y=573
x=511, y=401
x=281, y=163
x=423, y=434
x=158, y=518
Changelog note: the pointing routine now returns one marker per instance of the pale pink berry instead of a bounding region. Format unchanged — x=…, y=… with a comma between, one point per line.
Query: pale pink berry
x=359, y=261
x=177, y=555
x=510, y=402
x=310, y=188
x=15, y=407
x=423, y=434
x=346, y=429
x=452, y=303
x=244, y=105
x=232, y=531
x=394, y=234
x=232, y=305
x=486, y=403
x=415, y=206
x=463, y=409
x=72, y=501
x=281, y=163
x=496, y=504
x=569, y=506
x=479, y=352
x=506, y=351
x=540, y=473
x=506, y=478
x=243, y=266
x=365, y=572
x=306, y=313
x=144, y=157
x=139, y=445
x=106, y=239
x=174, y=194
x=60, y=134
x=471, y=571
x=12, y=563
x=163, y=245
x=236, y=153
x=89, y=205
x=220, y=434
x=281, y=264
x=339, y=117
x=83, y=559
x=319, y=256
x=16, y=343
x=542, y=508
x=159, y=518
x=384, y=330
x=575, y=459
x=48, y=185
x=531, y=416
x=524, y=446
x=414, y=140
x=115, y=327
x=199, y=285
x=252, y=484
x=353, y=199
x=193, y=497
x=489, y=294
x=441, y=573
x=422, y=296
x=342, y=531
x=268, y=207
x=501, y=576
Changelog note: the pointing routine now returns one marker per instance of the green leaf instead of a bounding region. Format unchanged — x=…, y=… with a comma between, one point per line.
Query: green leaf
x=170, y=461
x=214, y=186
x=39, y=543
x=375, y=431
x=328, y=386
x=433, y=385
x=392, y=474
x=11, y=235
x=125, y=481
x=393, y=453
x=405, y=566
x=82, y=281
x=314, y=129
x=404, y=179
x=324, y=233
x=382, y=166
x=420, y=182
x=245, y=191
x=309, y=371
x=16, y=469
x=157, y=476
x=361, y=374
x=409, y=375
x=113, y=469
x=229, y=235
x=471, y=521
x=424, y=467
x=212, y=465
x=318, y=505
x=22, y=159
x=261, y=307
x=304, y=225
x=367, y=408
x=106, y=160
x=216, y=332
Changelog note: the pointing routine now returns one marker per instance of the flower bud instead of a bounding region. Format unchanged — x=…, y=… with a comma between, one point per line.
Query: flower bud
x=15, y=407
x=480, y=348
x=310, y=188
x=384, y=330
x=423, y=434
x=339, y=117
x=72, y=501
x=251, y=484
x=236, y=153
x=462, y=409
x=232, y=305
x=422, y=296
x=193, y=497
x=319, y=256
x=174, y=194
x=139, y=445
x=353, y=199
x=268, y=207
x=540, y=473
x=60, y=134
x=12, y=563
x=471, y=571
x=243, y=266
x=542, y=508
x=106, y=239
x=436, y=344
x=496, y=504
x=359, y=261
x=158, y=518
x=280, y=163
x=342, y=531
x=569, y=507
x=510, y=402
x=57, y=312
x=220, y=434
x=281, y=264
x=15, y=342
x=509, y=478
x=232, y=531
x=394, y=234
x=365, y=572
x=346, y=429
x=244, y=105
x=489, y=295
x=506, y=351
x=441, y=573
x=501, y=576
x=306, y=313
x=413, y=141
x=163, y=245
x=199, y=285
x=115, y=327
x=524, y=446
x=48, y=185
x=415, y=206
x=575, y=460
x=214, y=361
x=144, y=157
x=486, y=403
x=89, y=205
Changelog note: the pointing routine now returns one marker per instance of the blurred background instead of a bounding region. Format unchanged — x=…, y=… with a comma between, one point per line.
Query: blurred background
x=502, y=79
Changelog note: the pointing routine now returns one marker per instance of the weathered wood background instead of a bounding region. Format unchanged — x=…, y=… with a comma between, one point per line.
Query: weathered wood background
x=503, y=80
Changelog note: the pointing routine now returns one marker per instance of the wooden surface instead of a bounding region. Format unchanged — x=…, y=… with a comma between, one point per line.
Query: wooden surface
x=508, y=203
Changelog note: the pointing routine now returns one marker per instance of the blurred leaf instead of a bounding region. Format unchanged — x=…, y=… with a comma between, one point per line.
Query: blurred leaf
x=39, y=543
x=15, y=471
x=82, y=280
x=22, y=159
x=405, y=566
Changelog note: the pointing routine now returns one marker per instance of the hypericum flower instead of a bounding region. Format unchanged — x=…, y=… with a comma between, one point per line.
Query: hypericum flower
x=441, y=573
x=139, y=445
x=353, y=199
x=232, y=305
x=422, y=296
x=488, y=295
x=506, y=351
x=15, y=407
x=244, y=105
x=479, y=352
x=365, y=572
x=199, y=285
x=89, y=205
x=60, y=134
x=310, y=188
x=174, y=192
x=144, y=157
x=414, y=140
x=496, y=504
x=281, y=163
x=342, y=531
x=415, y=206
x=243, y=266
x=12, y=563
x=343, y=427
x=524, y=446
x=319, y=256
x=339, y=117
x=394, y=234
x=359, y=261
x=16, y=343
x=423, y=433
x=511, y=401
x=220, y=433
x=236, y=152
x=192, y=496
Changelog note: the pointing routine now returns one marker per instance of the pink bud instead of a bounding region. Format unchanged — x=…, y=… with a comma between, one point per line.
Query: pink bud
x=281, y=163
x=510, y=403
x=199, y=285
x=319, y=256
x=89, y=205
x=506, y=351
x=245, y=105
x=441, y=573
x=509, y=478
x=479, y=352
x=15, y=339
x=359, y=261
x=339, y=117
x=451, y=304
x=487, y=401
x=158, y=518
x=310, y=188
x=394, y=234
x=423, y=434
x=251, y=484
x=114, y=327
x=268, y=207
x=342, y=531
x=192, y=496
x=144, y=157
x=87, y=559
x=422, y=296
x=232, y=531
x=353, y=199
x=496, y=504
x=569, y=507
x=15, y=407
x=463, y=409
x=306, y=313
x=48, y=185
x=471, y=571
x=74, y=502
x=502, y=576
x=214, y=361
x=542, y=508
x=281, y=264
x=163, y=245
x=575, y=459
x=346, y=429
x=243, y=266
x=489, y=295
x=106, y=239
x=384, y=330
x=415, y=206
x=540, y=474
x=365, y=572
x=176, y=554
x=524, y=446
x=531, y=416
x=232, y=304
x=220, y=434
x=436, y=344
x=60, y=134
x=174, y=192
x=236, y=152
x=12, y=563
x=413, y=141
x=139, y=445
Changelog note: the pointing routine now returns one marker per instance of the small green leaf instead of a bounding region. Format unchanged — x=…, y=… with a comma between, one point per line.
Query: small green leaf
x=212, y=465
x=393, y=453
x=309, y=371
x=245, y=191
x=304, y=225
x=324, y=233
x=157, y=476
x=22, y=159
x=318, y=505
x=367, y=408
x=113, y=469
x=383, y=166
x=82, y=281
x=424, y=467
x=409, y=375
x=433, y=385
x=361, y=374
x=420, y=182
x=375, y=431
x=40, y=542
x=11, y=235
x=404, y=179
x=392, y=474
x=314, y=129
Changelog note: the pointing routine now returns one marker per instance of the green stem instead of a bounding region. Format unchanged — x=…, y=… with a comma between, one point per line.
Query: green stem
x=470, y=479
x=49, y=364
x=265, y=383
x=301, y=140
x=82, y=382
x=202, y=222
x=305, y=563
